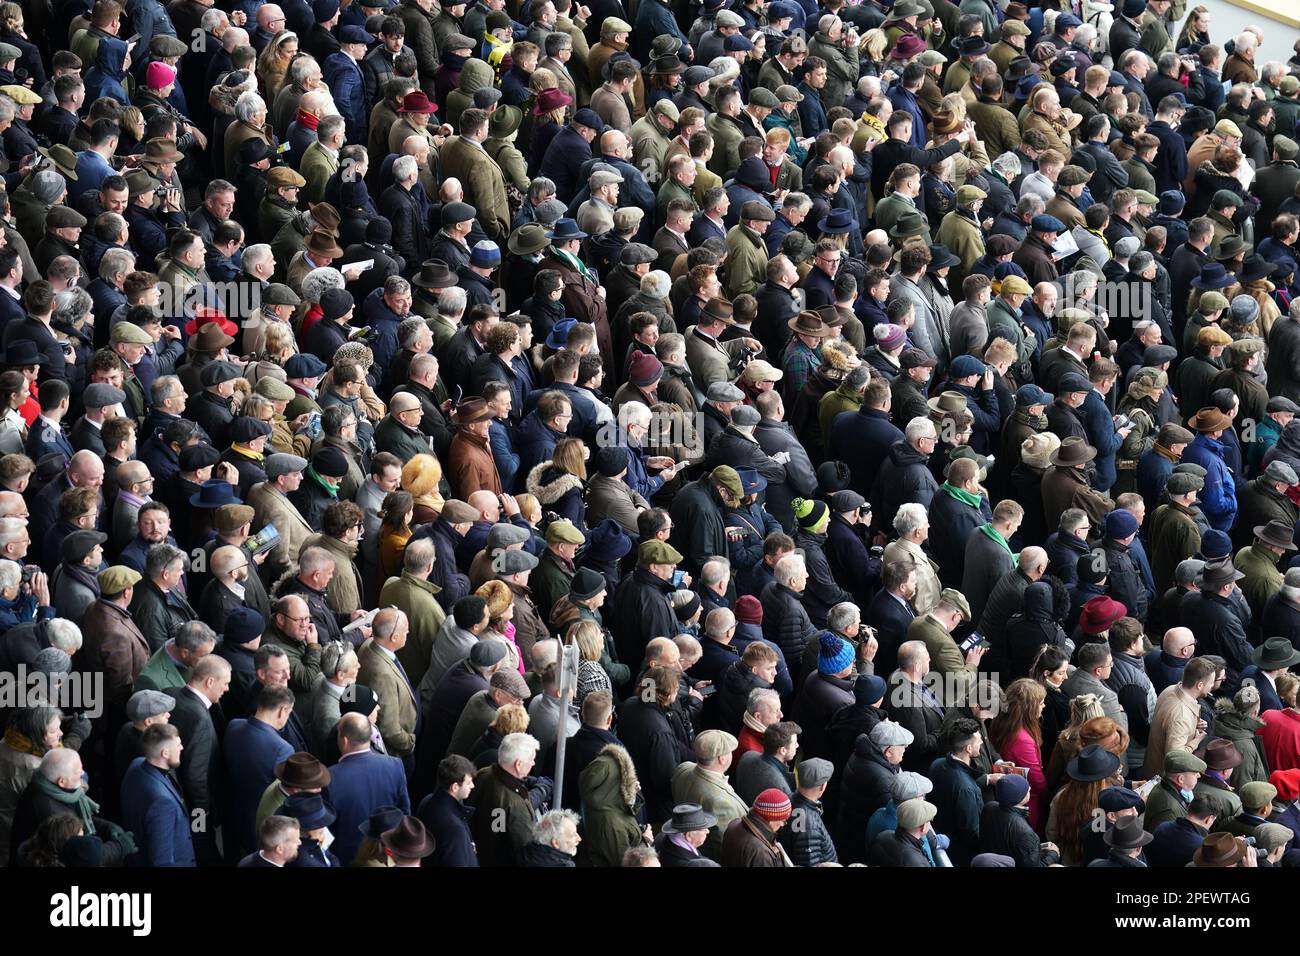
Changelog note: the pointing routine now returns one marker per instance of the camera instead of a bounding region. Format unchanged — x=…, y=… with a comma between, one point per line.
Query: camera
x=741, y=360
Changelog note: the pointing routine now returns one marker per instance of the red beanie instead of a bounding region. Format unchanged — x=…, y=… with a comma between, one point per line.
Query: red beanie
x=644, y=369
x=749, y=610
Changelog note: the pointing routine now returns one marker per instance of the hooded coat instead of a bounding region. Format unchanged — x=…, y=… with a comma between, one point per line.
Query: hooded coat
x=609, y=791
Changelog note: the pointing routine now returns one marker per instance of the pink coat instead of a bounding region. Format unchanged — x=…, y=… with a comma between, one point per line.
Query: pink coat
x=1021, y=750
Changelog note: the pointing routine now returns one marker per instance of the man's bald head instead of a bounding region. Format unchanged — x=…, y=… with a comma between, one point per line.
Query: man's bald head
x=451, y=190
x=1179, y=642
x=226, y=558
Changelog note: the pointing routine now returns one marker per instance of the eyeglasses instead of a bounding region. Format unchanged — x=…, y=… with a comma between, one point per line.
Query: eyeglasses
x=294, y=620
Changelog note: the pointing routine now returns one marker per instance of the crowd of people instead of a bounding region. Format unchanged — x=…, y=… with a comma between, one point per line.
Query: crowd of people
x=645, y=433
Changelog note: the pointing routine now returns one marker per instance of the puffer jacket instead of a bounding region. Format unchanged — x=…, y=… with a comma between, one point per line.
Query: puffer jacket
x=904, y=477
x=868, y=785
x=786, y=624
x=1007, y=831
x=805, y=837
x=559, y=491
x=822, y=592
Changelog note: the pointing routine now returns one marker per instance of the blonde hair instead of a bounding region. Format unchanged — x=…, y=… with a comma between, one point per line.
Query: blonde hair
x=568, y=455
x=1287, y=685
x=529, y=505
x=874, y=44
x=11, y=16
x=510, y=719
x=543, y=78
x=588, y=637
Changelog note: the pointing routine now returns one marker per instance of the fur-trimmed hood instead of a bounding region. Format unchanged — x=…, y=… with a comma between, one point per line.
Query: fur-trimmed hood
x=550, y=488
x=606, y=780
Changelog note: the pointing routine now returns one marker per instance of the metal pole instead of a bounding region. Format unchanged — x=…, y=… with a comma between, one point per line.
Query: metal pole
x=568, y=681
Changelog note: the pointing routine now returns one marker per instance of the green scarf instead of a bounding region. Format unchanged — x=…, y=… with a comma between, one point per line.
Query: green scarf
x=992, y=533
x=82, y=805
x=311, y=473
x=965, y=497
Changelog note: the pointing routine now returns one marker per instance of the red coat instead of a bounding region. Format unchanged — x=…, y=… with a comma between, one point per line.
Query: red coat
x=748, y=741
x=1021, y=750
x=1281, y=736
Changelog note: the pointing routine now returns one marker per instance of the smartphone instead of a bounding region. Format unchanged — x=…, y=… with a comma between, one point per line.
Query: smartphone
x=677, y=578
x=706, y=691
x=976, y=639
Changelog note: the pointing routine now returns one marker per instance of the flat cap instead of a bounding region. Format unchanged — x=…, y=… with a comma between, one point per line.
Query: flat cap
x=1183, y=761
x=117, y=579
x=756, y=210
x=148, y=703
x=215, y=373
x=510, y=681
x=128, y=333
x=281, y=464
x=724, y=392
x=915, y=813
x=102, y=395
x=513, y=562
x=564, y=531
x=712, y=744
x=888, y=733
x=657, y=552
x=814, y=772
x=955, y=598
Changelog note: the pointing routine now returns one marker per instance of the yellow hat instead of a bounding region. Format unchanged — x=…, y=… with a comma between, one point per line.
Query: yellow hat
x=20, y=95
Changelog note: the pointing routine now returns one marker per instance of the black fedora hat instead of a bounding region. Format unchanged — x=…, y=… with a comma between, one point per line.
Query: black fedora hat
x=1218, y=573
x=566, y=229
x=941, y=257
x=408, y=840
x=22, y=354
x=1093, y=763
x=382, y=820
x=1213, y=276
x=688, y=817
x=1274, y=654
x=1255, y=268
x=1127, y=834
x=435, y=274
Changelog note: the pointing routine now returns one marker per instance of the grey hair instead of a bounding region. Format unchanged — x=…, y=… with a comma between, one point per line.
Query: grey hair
x=8, y=108
x=759, y=697
x=843, y=616
x=337, y=657
x=320, y=279
x=11, y=573
x=409, y=329
x=1030, y=204
x=116, y=261
x=714, y=570
x=302, y=68
x=909, y=652
x=1008, y=166
x=515, y=747
x=909, y=518
x=1032, y=557
x=798, y=201
x=248, y=104
x=452, y=301
x=419, y=554
x=64, y=635
x=1271, y=69
x=212, y=18
x=314, y=559
x=656, y=283
x=634, y=413
x=551, y=825
x=59, y=762
x=719, y=622
x=541, y=186
x=160, y=558
x=192, y=635
x=257, y=252
x=404, y=167
x=857, y=379
x=789, y=568
x=918, y=428
x=10, y=529
x=72, y=304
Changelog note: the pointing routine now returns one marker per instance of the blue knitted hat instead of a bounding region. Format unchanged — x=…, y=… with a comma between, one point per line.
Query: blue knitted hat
x=834, y=654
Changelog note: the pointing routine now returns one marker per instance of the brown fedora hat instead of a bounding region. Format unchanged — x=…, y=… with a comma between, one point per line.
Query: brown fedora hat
x=719, y=309
x=326, y=217
x=302, y=770
x=159, y=150
x=322, y=245
x=209, y=338
x=408, y=840
x=1277, y=533
x=1209, y=420
x=1219, y=850
x=434, y=274
x=808, y=323
x=1073, y=451
x=945, y=121
x=1221, y=755
x=473, y=410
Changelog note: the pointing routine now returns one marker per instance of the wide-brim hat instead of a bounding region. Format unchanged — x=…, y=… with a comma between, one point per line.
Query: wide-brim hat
x=689, y=818
x=303, y=771
x=504, y=121
x=1219, y=850
x=667, y=66
x=408, y=840
x=160, y=150
x=1277, y=533
x=1093, y=763
x=947, y=403
x=1127, y=834
x=214, y=493
x=1274, y=654
x=1216, y=574
x=550, y=100
x=809, y=323
x=1220, y=755
x=435, y=274
x=322, y=245
x=529, y=239
x=382, y=819
x=836, y=222
x=1209, y=419
x=946, y=121
x=1230, y=248
x=904, y=9
x=566, y=229
x=417, y=102
x=720, y=310
x=22, y=353
x=62, y=157
x=941, y=257
x=1255, y=268
x=1073, y=451
x=907, y=46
